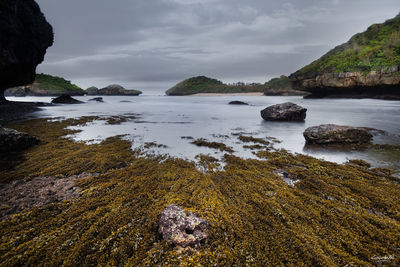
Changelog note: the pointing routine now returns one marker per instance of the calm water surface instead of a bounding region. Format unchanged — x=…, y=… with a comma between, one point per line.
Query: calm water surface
x=165, y=119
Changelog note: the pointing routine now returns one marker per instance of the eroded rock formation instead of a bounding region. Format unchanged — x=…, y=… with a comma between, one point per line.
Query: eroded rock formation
x=337, y=134
x=182, y=229
x=12, y=140
x=25, y=36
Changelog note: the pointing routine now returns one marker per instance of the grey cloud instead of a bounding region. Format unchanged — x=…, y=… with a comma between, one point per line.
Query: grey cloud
x=154, y=44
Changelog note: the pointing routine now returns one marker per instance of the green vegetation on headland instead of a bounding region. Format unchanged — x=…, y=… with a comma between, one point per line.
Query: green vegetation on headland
x=46, y=85
x=369, y=63
x=202, y=84
x=281, y=86
x=376, y=48
x=334, y=215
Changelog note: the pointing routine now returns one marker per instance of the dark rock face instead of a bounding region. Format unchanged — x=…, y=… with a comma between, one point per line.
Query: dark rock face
x=97, y=99
x=336, y=134
x=12, y=140
x=284, y=112
x=182, y=229
x=237, y=103
x=65, y=99
x=25, y=36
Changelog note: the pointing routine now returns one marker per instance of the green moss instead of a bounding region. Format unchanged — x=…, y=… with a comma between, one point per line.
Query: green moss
x=247, y=139
x=202, y=84
x=375, y=49
x=335, y=215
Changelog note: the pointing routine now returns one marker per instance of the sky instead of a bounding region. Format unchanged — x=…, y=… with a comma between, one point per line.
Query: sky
x=154, y=44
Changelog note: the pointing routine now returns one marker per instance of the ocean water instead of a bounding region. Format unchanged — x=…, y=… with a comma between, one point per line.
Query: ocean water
x=166, y=119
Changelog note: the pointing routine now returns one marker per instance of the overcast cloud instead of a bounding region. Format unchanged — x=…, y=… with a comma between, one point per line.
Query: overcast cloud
x=153, y=44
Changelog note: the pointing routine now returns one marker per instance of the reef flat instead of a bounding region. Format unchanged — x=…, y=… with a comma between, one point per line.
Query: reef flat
x=330, y=214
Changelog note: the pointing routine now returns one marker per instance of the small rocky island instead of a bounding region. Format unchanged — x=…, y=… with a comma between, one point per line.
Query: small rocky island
x=203, y=84
x=368, y=65
x=113, y=89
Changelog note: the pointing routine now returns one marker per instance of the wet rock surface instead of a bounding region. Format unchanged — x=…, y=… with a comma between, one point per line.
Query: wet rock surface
x=65, y=99
x=181, y=228
x=236, y=102
x=25, y=36
x=97, y=99
x=24, y=194
x=337, y=134
x=284, y=112
x=12, y=140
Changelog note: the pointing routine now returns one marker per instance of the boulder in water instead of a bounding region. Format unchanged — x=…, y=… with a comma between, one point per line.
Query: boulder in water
x=284, y=112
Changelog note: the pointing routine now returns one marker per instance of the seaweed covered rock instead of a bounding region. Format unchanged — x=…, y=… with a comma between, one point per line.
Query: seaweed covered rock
x=236, y=102
x=284, y=112
x=336, y=134
x=12, y=140
x=65, y=99
x=182, y=229
x=25, y=36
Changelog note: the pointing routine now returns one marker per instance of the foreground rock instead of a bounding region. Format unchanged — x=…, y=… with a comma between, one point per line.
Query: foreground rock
x=12, y=140
x=284, y=112
x=65, y=99
x=237, y=103
x=182, y=229
x=336, y=134
x=25, y=36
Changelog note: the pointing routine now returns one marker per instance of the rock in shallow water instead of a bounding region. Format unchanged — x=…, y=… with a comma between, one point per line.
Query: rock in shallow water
x=236, y=102
x=12, y=140
x=284, y=112
x=336, y=134
x=182, y=229
x=65, y=99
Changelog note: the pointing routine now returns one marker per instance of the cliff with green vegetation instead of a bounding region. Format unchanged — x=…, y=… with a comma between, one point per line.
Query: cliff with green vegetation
x=202, y=84
x=369, y=63
x=333, y=215
x=46, y=85
x=281, y=86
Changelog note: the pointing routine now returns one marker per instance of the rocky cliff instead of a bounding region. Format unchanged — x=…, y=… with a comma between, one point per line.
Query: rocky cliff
x=367, y=65
x=25, y=36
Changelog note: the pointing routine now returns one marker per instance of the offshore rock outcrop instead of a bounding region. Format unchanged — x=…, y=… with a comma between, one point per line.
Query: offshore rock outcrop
x=284, y=112
x=182, y=229
x=65, y=99
x=25, y=36
x=337, y=134
x=384, y=82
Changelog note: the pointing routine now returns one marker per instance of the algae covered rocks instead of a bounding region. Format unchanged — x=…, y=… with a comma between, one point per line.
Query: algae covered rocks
x=284, y=112
x=336, y=134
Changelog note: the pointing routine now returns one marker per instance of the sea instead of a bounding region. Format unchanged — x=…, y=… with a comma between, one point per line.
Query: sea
x=173, y=122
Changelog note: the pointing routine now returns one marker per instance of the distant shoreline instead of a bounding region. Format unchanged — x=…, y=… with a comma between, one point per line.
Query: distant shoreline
x=230, y=94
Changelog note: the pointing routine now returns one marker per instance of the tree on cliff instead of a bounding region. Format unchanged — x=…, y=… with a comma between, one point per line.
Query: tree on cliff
x=24, y=37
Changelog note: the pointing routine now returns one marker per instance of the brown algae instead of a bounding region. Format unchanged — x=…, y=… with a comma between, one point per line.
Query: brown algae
x=335, y=215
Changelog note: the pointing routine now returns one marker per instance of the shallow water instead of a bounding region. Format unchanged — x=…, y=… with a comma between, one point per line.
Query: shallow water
x=165, y=119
